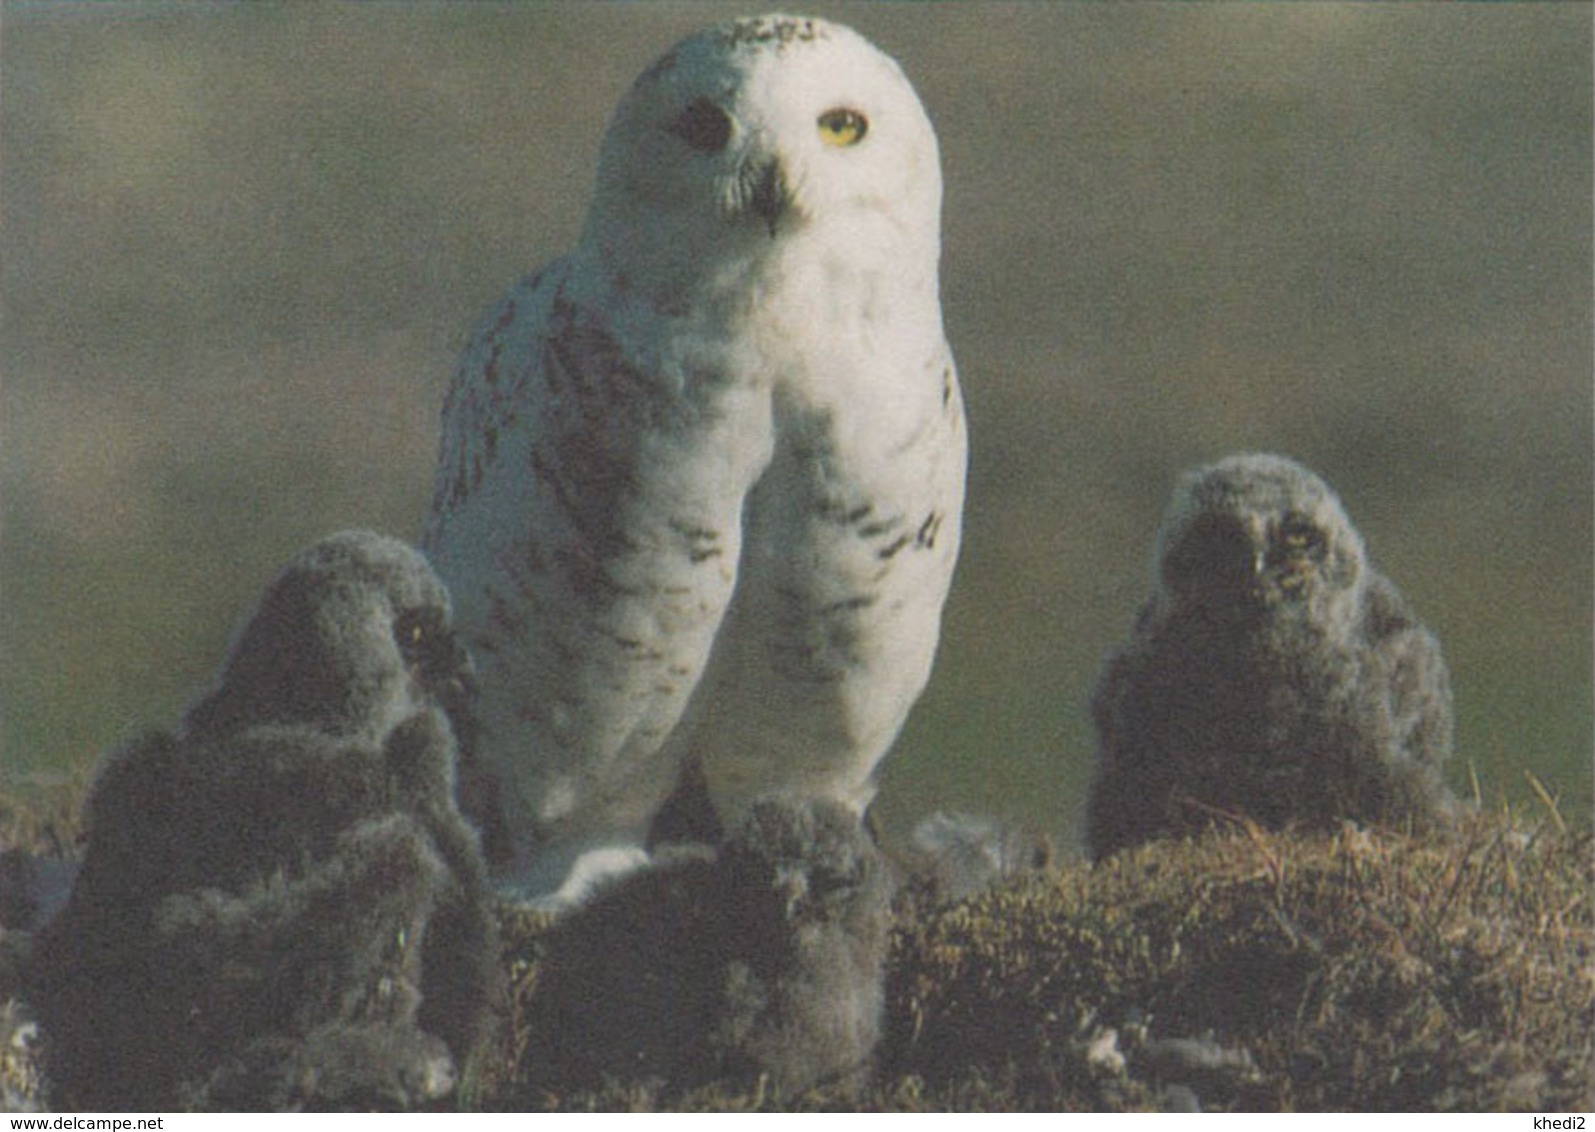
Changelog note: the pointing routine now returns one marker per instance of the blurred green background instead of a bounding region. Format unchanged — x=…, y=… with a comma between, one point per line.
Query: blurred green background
x=242, y=244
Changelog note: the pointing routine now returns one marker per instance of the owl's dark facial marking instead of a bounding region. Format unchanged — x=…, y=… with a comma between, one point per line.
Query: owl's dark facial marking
x=1216, y=559
x=1228, y=561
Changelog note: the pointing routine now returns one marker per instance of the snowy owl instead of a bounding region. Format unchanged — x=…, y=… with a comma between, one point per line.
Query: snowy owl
x=1273, y=673
x=700, y=482
x=288, y=871
x=764, y=959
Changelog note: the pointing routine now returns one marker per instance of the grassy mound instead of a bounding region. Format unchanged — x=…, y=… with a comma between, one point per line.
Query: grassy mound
x=1357, y=971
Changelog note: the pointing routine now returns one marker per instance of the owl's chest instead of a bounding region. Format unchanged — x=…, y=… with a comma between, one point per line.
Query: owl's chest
x=1262, y=686
x=853, y=367
x=806, y=400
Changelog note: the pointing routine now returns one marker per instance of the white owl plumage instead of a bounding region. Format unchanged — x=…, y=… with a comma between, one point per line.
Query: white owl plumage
x=700, y=483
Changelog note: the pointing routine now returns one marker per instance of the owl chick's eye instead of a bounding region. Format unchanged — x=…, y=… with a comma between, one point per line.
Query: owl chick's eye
x=842, y=127
x=1300, y=537
x=415, y=630
x=704, y=126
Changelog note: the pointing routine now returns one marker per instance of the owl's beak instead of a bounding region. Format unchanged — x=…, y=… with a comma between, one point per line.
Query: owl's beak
x=770, y=196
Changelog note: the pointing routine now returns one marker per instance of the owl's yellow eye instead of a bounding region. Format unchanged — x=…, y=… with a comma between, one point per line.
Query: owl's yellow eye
x=842, y=127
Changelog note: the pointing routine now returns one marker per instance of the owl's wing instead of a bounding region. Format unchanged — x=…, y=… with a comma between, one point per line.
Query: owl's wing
x=1408, y=660
x=1407, y=676
x=1132, y=698
x=140, y=826
x=1122, y=806
x=481, y=403
x=588, y=528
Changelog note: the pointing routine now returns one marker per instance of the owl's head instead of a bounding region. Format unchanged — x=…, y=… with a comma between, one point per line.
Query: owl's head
x=1254, y=534
x=352, y=637
x=757, y=129
x=803, y=861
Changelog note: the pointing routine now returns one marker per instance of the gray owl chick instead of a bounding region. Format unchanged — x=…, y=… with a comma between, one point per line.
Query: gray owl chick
x=289, y=865
x=1273, y=672
x=956, y=856
x=764, y=959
